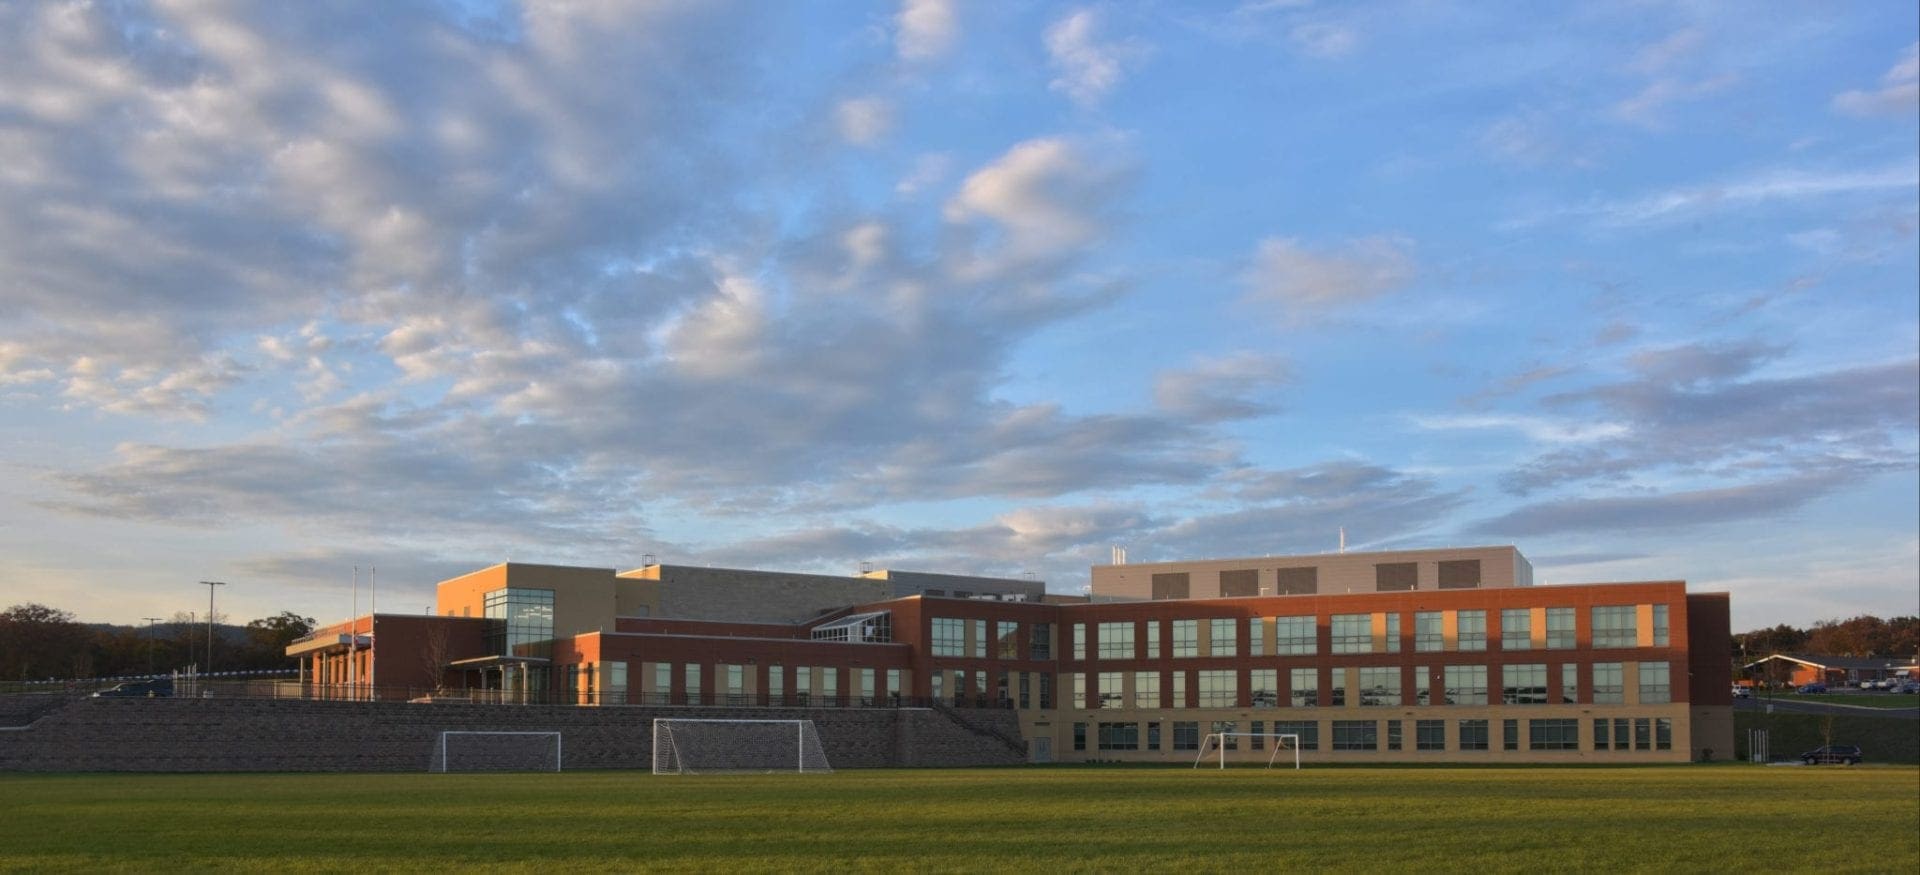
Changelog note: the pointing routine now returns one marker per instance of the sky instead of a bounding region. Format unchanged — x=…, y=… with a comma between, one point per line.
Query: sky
x=980, y=288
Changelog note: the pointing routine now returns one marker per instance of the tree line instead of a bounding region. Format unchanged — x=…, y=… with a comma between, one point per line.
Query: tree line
x=38, y=642
x=1862, y=636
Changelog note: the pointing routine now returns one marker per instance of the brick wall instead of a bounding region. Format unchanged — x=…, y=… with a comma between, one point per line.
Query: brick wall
x=261, y=735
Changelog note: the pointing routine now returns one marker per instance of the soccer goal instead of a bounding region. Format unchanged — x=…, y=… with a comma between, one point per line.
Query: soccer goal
x=474, y=751
x=1217, y=742
x=712, y=747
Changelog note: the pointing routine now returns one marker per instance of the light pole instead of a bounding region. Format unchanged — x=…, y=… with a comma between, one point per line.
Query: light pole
x=150, y=622
x=210, y=584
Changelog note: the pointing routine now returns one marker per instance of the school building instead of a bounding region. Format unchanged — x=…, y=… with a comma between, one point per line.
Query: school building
x=1450, y=655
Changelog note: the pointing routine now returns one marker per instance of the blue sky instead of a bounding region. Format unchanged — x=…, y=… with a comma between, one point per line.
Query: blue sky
x=979, y=288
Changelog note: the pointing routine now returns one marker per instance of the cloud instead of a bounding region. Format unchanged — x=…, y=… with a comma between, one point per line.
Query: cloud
x=1762, y=188
x=1662, y=512
x=1898, y=94
x=1648, y=106
x=1045, y=199
x=1086, y=69
x=864, y=121
x=1323, y=39
x=1535, y=428
x=1699, y=410
x=927, y=29
x=1224, y=388
x=1302, y=281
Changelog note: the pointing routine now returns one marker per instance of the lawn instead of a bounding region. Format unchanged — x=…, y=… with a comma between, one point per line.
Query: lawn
x=1717, y=817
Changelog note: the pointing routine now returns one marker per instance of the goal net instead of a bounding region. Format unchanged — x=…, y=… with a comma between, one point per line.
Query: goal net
x=710, y=747
x=472, y=751
x=1221, y=744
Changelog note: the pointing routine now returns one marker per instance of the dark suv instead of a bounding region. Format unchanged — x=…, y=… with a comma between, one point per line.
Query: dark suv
x=1833, y=753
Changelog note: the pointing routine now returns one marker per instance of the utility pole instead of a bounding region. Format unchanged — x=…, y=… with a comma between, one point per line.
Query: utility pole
x=210, y=584
x=150, y=622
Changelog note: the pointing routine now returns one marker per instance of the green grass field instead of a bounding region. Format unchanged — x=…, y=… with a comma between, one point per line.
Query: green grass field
x=1719, y=818
x=1888, y=701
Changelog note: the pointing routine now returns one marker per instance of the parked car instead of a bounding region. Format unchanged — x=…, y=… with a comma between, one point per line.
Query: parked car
x=1811, y=688
x=1908, y=687
x=1832, y=753
x=153, y=689
x=1740, y=692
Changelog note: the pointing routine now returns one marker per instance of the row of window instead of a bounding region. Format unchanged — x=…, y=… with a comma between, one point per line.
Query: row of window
x=976, y=638
x=1613, y=626
x=1546, y=734
x=1524, y=684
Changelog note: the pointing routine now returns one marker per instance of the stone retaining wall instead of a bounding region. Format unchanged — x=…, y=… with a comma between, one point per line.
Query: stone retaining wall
x=264, y=735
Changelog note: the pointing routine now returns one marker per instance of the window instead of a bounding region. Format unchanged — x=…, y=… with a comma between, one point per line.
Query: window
x=1353, y=633
x=949, y=637
x=1613, y=626
x=1146, y=689
x=1079, y=641
x=1510, y=734
x=1599, y=733
x=803, y=684
x=979, y=639
x=1116, y=640
x=527, y=622
x=1380, y=686
x=1516, y=629
x=1000, y=690
x=1473, y=735
x=1337, y=690
x=1569, y=683
x=1040, y=645
x=662, y=683
x=736, y=684
x=1186, y=735
x=1079, y=736
x=1153, y=639
x=1523, y=684
x=1239, y=584
x=1077, y=689
x=1258, y=728
x=1046, y=690
x=692, y=670
x=1305, y=684
x=1656, y=683
x=1430, y=735
x=1256, y=642
x=1559, y=628
x=1186, y=638
x=1220, y=726
x=1153, y=736
x=1609, y=684
x=1171, y=586
x=829, y=685
x=1219, y=689
x=1466, y=684
x=1642, y=733
x=1422, y=685
x=776, y=684
x=1308, y=730
x=1393, y=735
x=1297, y=581
x=1620, y=739
x=1557, y=734
x=1429, y=632
x=1220, y=637
x=1662, y=733
x=1472, y=630
x=1294, y=636
x=864, y=690
x=1264, y=687
x=1659, y=625
x=1026, y=690
x=1008, y=639
x=1396, y=576
x=1110, y=692
x=1393, y=632
x=1179, y=689
x=1119, y=736
x=1459, y=574
x=1356, y=735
